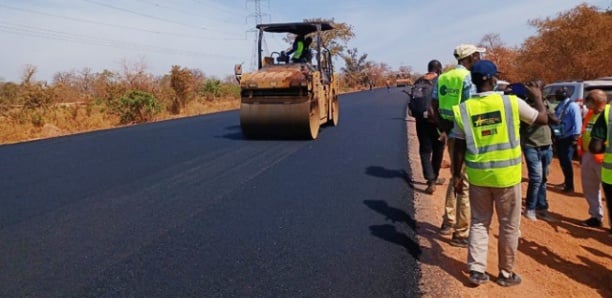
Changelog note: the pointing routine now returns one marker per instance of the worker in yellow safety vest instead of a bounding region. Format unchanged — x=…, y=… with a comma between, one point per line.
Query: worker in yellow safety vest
x=590, y=164
x=455, y=86
x=601, y=137
x=487, y=139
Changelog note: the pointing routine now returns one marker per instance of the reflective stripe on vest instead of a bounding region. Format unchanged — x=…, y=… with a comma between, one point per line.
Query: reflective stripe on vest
x=450, y=90
x=606, y=167
x=493, y=156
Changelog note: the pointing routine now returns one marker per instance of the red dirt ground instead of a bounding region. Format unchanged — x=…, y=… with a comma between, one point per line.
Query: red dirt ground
x=558, y=259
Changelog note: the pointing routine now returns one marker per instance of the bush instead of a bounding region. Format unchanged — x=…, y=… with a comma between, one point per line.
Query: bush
x=211, y=89
x=137, y=106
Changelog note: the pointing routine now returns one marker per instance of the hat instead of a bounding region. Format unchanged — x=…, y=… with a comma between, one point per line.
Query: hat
x=465, y=50
x=484, y=68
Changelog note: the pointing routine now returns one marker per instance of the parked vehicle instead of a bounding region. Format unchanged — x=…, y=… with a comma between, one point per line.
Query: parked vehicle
x=578, y=90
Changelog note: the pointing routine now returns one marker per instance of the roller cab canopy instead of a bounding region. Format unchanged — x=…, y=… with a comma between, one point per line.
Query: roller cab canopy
x=295, y=28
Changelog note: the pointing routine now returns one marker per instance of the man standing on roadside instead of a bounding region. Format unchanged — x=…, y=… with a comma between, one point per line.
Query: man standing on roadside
x=536, y=141
x=431, y=148
x=487, y=139
x=590, y=164
x=570, y=116
x=454, y=87
x=601, y=139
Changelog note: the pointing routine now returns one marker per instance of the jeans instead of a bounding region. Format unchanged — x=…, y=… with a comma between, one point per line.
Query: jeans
x=566, y=151
x=607, y=188
x=431, y=149
x=538, y=159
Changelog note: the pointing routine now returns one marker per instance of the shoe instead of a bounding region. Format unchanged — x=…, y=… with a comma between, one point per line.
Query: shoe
x=459, y=242
x=513, y=280
x=531, y=215
x=446, y=229
x=430, y=189
x=478, y=278
x=440, y=181
x=592, y=222
x=567, y=190
x=544, y=215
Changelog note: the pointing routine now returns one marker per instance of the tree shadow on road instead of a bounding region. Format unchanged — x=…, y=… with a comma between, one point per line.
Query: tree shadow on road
x=389, y=232
x=577, y=230
x=590, y=273
x=434, y=255
x=382, y=172
x=391, y=213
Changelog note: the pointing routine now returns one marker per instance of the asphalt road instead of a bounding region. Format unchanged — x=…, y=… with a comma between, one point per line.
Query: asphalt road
x=189, y=208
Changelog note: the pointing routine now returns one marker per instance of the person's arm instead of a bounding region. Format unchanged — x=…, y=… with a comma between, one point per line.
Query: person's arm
x=535, y=94
x=598, y=135
x=577, y=120
x=458, y=159
x=293, y=48
x=435, y=104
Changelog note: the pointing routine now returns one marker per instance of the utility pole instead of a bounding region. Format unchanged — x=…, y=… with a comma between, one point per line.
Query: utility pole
x=258, y=16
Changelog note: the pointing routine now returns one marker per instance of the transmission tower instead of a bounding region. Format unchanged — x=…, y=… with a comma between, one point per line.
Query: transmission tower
x=258, y=15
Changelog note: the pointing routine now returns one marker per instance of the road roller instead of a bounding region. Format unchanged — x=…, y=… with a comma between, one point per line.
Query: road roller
x=289, y=97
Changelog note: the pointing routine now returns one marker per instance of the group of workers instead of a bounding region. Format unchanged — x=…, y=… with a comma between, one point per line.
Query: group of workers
x=487, y=131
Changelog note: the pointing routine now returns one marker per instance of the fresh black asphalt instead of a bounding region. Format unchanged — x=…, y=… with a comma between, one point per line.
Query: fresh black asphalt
x=188, y=208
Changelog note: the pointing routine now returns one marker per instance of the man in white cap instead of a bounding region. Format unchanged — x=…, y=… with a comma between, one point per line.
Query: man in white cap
x=454, y=87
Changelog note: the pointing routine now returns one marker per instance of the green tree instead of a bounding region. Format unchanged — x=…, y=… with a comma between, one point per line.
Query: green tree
x=137, y=106
x=335, y=40
x=355, y=67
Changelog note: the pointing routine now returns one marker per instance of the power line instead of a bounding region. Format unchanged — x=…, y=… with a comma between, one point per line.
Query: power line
x=33, y=31
x=142, y=14
x=116, y=25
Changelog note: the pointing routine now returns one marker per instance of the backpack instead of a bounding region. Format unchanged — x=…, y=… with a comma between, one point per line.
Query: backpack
x=420, y=101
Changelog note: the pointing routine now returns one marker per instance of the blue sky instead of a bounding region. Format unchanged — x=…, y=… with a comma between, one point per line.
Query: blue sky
x=213, y=35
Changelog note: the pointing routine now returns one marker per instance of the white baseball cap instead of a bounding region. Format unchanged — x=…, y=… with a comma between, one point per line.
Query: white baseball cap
x=465, y=50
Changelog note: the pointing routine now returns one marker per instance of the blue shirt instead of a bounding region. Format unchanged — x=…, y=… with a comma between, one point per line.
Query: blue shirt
x=571, y=121
x=468, y=87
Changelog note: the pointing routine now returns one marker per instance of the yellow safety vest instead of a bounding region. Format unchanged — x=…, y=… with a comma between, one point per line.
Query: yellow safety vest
x=450, y=89
x=491, y=125
x=606, y=167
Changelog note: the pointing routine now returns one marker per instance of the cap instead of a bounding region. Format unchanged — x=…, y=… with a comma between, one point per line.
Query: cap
x=485, y=68
x=519, y=90
x=465, y=50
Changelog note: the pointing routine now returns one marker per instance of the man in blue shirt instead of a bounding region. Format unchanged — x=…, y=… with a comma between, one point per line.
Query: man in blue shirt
x=570, y=115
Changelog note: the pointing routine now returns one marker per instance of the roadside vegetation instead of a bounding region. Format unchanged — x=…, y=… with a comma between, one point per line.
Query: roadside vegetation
x=573, y=45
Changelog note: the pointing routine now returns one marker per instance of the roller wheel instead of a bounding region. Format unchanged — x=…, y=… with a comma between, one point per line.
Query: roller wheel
x=335, y=111
x=314, y=122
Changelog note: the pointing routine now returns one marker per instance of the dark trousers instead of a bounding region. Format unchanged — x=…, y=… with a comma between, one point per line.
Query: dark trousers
x=566, y=151
x=607, y=188
x=431, y=149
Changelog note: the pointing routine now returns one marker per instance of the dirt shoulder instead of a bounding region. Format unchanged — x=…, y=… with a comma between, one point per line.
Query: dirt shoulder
x=556, y=259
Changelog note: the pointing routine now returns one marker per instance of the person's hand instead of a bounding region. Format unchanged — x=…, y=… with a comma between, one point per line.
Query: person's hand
x=534, y=90
x=443, y=137
x=458, y=184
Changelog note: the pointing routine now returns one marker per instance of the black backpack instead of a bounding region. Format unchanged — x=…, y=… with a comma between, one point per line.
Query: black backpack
x=420, y=101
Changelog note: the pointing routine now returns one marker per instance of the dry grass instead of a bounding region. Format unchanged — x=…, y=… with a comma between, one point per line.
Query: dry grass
x=18, y=125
